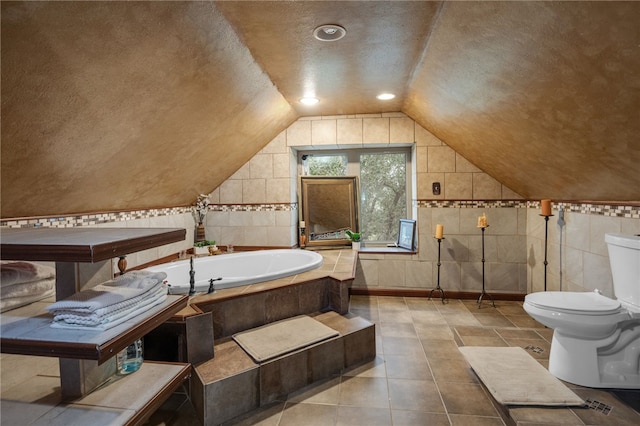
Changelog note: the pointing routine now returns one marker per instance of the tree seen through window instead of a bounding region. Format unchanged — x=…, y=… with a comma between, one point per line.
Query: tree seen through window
x=383, y=186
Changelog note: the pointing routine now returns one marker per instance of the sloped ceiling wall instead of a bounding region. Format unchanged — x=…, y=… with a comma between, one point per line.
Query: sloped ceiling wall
x=132, y=105
x=118, y=105
x=543, y=96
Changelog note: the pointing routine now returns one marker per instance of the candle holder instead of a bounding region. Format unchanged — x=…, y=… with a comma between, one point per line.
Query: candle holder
x=192, y=281
x=303, y=237
x=438, y=288
x=546, y=236
x=484, y=293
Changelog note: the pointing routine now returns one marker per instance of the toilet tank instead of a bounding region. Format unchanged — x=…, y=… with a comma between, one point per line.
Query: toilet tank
x=624, y=257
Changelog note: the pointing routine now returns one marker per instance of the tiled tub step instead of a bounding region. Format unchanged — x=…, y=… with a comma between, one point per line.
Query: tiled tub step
x=232, y=384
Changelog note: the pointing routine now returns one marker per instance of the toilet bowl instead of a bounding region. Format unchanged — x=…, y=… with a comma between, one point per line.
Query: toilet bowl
x=579, y=315
x=596, y=340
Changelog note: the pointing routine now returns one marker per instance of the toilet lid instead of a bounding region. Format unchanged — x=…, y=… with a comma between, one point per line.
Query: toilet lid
x=574, y=302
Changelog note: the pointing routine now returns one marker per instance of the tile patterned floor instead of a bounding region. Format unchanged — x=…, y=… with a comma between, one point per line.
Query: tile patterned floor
x=420, y=378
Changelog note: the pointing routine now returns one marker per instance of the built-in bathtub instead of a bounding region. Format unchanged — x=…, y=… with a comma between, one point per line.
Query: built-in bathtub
x=238, y=269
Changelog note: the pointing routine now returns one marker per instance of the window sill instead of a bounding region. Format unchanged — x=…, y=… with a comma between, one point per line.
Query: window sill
x=387, y=250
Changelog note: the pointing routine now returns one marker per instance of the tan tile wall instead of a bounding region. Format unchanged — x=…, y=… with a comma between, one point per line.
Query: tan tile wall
x=577, y=255
x=271, y=177
x=460, y=254
x=513, y=243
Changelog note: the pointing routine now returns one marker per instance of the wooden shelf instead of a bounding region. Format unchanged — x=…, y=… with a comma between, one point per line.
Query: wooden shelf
x=83, y=352
x=122, y=400
x=142, y=392
x=82, y=244
x=28, y=331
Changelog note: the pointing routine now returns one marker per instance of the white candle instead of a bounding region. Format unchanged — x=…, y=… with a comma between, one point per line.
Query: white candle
x=546, y=207
x=302, y=224
x=439, y=231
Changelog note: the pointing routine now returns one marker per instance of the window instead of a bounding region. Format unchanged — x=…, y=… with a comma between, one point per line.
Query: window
x=384, y=178
x=325, y=165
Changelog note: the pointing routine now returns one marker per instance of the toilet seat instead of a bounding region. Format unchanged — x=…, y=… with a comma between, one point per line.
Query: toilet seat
x=575, y=303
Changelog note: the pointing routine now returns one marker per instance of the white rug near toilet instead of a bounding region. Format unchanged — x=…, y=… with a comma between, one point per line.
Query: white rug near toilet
x=515, y=378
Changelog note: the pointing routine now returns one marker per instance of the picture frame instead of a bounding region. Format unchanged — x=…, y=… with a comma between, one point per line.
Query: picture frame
x=407, y=234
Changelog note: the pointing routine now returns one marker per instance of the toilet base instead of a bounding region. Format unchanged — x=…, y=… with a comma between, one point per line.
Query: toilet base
x=576, y=361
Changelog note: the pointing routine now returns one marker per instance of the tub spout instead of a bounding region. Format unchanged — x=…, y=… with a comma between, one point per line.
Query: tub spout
x=192, y=280
x=212, y=289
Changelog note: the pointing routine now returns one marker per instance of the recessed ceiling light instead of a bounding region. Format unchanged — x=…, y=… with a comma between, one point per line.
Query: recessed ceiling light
x=329, y=32
x=309, y=100
x=385, y=96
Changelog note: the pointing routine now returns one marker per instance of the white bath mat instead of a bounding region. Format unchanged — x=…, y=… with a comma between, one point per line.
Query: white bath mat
x=515, y=378
x=278, y=338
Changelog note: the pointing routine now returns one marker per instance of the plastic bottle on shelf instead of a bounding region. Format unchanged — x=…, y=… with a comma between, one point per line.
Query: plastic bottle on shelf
x=130, y=358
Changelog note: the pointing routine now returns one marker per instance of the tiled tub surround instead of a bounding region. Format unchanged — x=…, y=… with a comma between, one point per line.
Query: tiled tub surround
x=230, y=384
x=241, y=308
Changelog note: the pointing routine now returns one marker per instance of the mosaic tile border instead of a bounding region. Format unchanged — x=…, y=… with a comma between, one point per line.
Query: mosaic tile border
x=91, y=219
x=102, y=218
x=253, y=207
x=471, y=204
x=632, y=212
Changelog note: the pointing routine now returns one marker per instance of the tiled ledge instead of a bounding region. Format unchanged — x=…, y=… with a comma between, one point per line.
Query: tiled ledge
x=385, y=250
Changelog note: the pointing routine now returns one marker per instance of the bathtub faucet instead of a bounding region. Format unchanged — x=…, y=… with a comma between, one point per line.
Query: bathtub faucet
x=192, y=280
x=211, y=287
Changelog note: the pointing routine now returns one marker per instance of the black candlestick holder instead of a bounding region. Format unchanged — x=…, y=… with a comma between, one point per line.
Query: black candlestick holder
x=484, y=293
x=546, y=237
x=192, y=281
x=438, y=288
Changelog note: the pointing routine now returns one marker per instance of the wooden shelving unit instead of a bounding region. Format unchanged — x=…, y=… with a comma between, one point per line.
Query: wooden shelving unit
x=86, y=356
x=28, y=331
x=82, y=244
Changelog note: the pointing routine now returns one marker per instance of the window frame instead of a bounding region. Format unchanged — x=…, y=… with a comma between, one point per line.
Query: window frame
x=353, y=169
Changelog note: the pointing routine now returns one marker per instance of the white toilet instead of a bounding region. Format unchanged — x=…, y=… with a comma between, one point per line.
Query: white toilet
x=596, y=340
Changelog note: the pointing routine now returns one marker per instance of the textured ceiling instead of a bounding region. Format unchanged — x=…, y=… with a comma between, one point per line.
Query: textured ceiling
x=128, y=105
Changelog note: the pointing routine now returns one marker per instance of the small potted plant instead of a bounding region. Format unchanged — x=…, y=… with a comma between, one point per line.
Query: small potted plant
x=355, y=239
x=204, y=247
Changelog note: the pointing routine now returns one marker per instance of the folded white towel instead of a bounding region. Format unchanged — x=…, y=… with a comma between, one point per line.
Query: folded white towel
x=116, y=307
x=96, y=318
x=128, y=288
x=15, y=272
x=136, y=279
x=101, y=327
x=32, y=288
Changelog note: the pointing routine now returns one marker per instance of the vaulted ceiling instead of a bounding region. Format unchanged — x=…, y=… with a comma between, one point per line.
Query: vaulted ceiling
x=131, y=105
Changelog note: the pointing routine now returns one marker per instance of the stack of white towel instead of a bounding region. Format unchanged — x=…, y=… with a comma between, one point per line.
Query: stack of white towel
x=22, y=283
x=111, y=303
